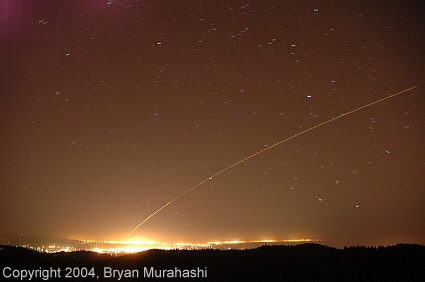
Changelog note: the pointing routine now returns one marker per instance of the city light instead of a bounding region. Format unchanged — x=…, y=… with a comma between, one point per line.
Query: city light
x=128, y=247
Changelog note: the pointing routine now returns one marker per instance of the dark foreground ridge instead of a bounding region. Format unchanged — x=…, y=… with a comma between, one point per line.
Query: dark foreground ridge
x=307, y=262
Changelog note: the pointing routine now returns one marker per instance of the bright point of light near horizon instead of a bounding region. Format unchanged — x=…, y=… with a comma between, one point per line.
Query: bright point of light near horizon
x=114, y=247
x=122, y=247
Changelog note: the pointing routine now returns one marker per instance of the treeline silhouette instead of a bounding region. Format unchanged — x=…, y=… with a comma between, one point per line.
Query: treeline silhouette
x=306, y=262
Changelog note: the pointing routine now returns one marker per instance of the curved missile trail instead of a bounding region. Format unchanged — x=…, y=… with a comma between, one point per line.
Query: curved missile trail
x=268, y=148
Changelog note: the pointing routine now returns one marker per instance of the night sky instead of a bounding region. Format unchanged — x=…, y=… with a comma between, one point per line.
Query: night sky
x=110, y=109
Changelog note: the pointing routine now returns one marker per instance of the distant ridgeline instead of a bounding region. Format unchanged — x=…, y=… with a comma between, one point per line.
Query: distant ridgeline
x=300, y=262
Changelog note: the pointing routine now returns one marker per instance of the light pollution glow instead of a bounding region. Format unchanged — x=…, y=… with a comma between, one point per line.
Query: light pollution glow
x=136, y=246
x=129, y=247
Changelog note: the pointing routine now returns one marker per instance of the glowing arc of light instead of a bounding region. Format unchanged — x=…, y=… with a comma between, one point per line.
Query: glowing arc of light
x=268, y=148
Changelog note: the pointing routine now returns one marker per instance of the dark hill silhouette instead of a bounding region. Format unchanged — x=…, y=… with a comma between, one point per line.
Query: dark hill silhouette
x=311, y=262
